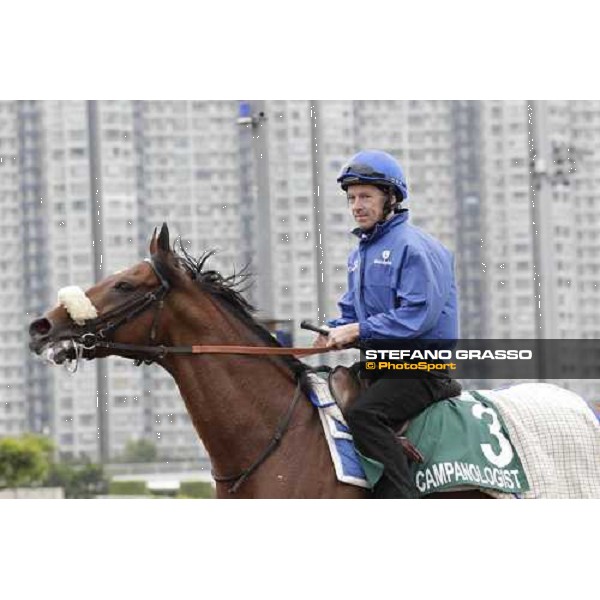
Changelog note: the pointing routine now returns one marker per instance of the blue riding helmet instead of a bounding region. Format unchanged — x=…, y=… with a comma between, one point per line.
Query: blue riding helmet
x=374, y=167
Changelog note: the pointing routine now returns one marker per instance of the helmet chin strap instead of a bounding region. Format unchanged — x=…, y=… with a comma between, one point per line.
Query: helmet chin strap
x=388, y=207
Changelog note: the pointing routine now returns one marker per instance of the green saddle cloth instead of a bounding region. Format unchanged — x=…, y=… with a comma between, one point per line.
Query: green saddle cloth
x=465, y=444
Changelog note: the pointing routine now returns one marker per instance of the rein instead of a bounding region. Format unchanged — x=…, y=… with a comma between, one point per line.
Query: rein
x=160, y=351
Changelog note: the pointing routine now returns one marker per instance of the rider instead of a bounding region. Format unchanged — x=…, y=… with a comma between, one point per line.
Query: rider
x=400, y=286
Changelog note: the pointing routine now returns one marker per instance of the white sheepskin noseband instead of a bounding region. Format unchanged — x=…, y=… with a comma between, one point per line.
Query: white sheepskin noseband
x=78, y=305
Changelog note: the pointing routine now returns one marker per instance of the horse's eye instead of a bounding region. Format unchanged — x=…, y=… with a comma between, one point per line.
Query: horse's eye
x=124, y=286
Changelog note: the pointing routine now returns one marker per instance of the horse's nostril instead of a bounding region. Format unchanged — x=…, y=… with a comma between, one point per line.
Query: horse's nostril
x=40, y=327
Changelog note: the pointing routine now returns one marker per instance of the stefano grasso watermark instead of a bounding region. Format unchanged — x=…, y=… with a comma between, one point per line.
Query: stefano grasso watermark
x=484, y=359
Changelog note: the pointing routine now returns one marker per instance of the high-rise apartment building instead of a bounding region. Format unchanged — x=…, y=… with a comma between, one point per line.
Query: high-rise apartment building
x=82, y=185
x=188, y=176
x=13, y=405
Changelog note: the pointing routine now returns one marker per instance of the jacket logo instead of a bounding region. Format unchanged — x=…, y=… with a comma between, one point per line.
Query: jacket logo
x=385, y=258
x=353, y=267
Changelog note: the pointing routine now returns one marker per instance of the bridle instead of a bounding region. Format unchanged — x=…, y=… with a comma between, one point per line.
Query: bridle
x=97, y=333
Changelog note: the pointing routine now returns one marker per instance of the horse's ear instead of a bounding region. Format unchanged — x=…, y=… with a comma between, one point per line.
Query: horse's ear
x=153, y=243
x=163, y=238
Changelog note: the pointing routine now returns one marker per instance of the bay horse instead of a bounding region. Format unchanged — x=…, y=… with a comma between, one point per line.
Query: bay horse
x=263, y=436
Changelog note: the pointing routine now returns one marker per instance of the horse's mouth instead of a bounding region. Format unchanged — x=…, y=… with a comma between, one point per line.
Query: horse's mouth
x=58, y=352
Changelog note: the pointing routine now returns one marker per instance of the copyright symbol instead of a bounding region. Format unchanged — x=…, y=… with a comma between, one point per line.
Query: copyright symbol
x=370, y=365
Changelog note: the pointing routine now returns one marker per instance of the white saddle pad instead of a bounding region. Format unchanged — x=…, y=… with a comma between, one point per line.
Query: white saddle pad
x=556, y=436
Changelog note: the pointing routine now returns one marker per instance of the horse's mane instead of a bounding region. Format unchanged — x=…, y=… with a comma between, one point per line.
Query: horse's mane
x=229, y=290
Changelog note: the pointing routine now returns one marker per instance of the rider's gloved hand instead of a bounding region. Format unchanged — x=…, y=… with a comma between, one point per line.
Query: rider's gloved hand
x=343, y=336
x=320, y=342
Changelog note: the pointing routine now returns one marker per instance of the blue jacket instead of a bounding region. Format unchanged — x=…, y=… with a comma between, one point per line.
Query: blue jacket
x=400, y=285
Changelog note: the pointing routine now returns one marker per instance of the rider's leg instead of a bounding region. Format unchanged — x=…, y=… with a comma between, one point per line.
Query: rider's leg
x=381, y=408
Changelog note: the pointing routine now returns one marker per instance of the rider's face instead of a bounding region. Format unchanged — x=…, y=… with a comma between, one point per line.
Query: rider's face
x=366, y=203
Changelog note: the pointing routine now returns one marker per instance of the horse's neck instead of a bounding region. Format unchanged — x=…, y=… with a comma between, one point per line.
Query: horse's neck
x=235, y=405
x=235, y=402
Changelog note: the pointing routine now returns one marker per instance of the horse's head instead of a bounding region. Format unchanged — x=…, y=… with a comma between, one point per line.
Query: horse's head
x=124, y=308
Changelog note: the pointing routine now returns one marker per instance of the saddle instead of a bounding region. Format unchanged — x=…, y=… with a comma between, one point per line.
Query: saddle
x=345, y=385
